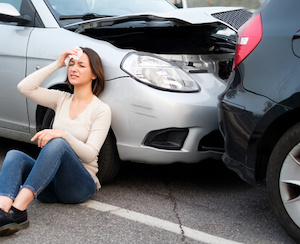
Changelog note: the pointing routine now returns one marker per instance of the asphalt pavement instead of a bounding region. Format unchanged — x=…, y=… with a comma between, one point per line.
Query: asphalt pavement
x=179, y=203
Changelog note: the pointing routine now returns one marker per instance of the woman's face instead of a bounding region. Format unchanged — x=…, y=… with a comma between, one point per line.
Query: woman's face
x=80, y=72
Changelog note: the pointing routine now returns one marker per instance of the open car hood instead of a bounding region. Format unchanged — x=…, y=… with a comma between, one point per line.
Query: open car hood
x=188, y=31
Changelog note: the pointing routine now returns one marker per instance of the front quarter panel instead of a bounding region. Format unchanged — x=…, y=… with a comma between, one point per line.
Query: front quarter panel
x=45, y=46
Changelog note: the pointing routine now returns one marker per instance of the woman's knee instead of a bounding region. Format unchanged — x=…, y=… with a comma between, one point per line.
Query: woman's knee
x=57, y=141
x=55, y=147
x=14, y=156
x=17, y=159
x=56, y=144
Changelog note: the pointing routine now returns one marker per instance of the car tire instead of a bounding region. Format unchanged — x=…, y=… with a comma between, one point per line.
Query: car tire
x=48, y=119
x=283, y=181
x=108, y=158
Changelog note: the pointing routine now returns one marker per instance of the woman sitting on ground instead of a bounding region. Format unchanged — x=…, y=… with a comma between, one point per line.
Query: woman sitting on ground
x=65, y=170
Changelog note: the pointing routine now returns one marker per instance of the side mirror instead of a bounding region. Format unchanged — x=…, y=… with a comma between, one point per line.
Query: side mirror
x=9, y=13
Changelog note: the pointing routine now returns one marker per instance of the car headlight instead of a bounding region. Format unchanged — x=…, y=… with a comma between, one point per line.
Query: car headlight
x=158, y=73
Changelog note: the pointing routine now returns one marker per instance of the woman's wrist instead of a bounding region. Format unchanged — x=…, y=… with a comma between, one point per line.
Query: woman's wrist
x=60, y=64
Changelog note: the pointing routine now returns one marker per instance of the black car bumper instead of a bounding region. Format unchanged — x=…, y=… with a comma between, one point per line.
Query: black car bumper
x=241, y=122
x=234, y=126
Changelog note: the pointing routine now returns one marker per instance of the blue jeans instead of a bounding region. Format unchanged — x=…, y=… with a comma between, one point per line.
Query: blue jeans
x=56, y=176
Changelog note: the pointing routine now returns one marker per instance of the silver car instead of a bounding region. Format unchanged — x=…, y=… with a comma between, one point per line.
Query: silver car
x=164, y=68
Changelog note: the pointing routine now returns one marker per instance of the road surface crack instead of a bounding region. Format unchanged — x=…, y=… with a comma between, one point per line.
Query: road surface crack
x=175, y=210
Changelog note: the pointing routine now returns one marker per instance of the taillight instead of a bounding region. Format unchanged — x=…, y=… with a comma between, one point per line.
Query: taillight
x=249, y=35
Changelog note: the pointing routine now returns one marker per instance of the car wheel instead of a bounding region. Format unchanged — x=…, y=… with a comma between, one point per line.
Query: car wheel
x=48, y=119
x=108, y=159
x=283, y=181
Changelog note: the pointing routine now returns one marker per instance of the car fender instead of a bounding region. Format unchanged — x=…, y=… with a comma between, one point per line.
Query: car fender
x=59, y=40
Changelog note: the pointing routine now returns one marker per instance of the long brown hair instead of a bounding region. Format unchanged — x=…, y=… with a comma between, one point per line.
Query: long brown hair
x=97, y=69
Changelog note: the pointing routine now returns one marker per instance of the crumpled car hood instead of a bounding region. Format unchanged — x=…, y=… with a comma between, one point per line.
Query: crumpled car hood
x=188, y=31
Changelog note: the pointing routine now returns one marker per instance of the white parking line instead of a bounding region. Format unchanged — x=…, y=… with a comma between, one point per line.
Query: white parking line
x=156, y=222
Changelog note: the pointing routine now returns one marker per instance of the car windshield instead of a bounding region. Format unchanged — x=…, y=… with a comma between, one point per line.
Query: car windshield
x=70, y=11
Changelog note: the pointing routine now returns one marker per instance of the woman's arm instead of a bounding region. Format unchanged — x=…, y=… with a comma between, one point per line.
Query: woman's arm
x=29, y=86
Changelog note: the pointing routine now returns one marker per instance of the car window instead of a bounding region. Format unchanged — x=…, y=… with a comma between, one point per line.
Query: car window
x=106, y=7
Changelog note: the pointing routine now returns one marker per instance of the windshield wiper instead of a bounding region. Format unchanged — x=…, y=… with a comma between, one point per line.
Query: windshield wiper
x=87, y=16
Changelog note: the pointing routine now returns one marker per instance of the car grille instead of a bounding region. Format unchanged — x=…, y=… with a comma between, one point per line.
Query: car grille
x=235, y=18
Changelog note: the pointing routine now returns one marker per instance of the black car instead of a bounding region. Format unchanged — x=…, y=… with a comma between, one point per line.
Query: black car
x=259, y=112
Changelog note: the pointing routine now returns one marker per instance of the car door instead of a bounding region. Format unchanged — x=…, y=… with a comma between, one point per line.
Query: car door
x=13, y=45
